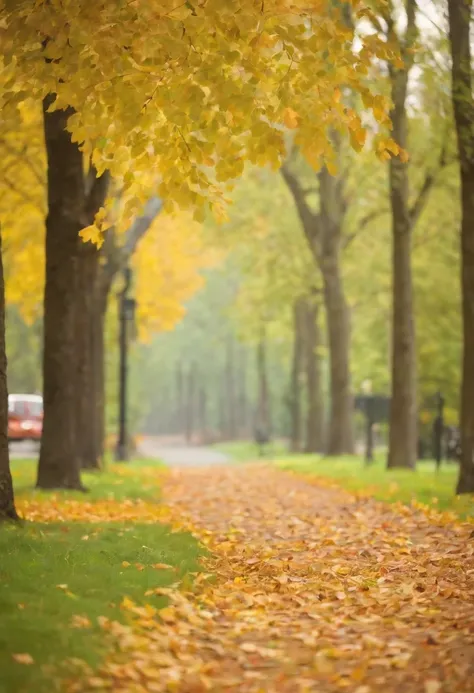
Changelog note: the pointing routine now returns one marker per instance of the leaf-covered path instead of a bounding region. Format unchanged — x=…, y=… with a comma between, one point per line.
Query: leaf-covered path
x=314, y=590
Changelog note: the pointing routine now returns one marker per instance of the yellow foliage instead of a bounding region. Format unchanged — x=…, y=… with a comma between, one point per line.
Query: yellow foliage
x=167, y=264
x=180, y=89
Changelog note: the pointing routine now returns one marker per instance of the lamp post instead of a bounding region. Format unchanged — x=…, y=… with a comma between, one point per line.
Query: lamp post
x=126, y=315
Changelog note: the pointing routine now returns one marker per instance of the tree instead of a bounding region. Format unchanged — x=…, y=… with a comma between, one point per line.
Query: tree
x=296, y=375
x=460, y=18
x=7, y=501
x=73, y=201
x=312, y=344
x=403, y=442
x=199, y=135
x=324, y=231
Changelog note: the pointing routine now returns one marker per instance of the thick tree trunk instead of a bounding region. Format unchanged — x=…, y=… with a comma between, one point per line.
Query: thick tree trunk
x=7, y=501
x=315, y=410
x=296, y=373
x=86, y=390
x=403, y=409
x=59, y=464
x=460, y=12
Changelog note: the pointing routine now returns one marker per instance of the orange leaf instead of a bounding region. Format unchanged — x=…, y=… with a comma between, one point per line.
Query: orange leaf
x=23, y=658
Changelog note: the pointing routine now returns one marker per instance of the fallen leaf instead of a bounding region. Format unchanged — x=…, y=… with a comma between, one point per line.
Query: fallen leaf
x=432, y=686
x=23, y=658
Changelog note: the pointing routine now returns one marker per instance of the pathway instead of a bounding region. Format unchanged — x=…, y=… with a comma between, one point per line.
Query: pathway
x=179, y=455
x=314, y=591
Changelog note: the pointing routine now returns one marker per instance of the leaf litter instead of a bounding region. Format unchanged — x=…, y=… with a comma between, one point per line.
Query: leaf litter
x=306, y=589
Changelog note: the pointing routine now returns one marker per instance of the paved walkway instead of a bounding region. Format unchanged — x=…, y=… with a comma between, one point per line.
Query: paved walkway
x=179, y=455
x=313, y=591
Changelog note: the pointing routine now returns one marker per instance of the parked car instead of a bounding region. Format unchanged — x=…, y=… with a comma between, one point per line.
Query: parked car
x=25, y=417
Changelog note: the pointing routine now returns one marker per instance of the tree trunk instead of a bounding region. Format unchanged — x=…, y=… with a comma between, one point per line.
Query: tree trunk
x=179, y=400
x=7, y=501
x=323, y=231
x=263, y=411
x=230, y=397
x=190, y=393
x=59, y=464
x=203, y=412
x=98, y=377
x=296, y=371
x=315, y=412
x=340, y=434
x=403, y=409
x=86, y=389
x=242, y=417
x=463, y=104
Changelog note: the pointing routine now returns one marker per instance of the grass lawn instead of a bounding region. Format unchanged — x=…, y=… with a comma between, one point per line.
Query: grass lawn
x=424, y=485
x=58, y=578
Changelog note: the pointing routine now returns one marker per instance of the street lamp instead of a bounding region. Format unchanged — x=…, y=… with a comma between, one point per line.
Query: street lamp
x=126, y=315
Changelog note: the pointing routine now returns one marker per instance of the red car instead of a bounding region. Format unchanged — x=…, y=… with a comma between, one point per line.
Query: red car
x=25, y=417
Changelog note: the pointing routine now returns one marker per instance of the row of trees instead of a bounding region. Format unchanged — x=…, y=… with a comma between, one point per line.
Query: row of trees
x=133, y=96
x=338, y=210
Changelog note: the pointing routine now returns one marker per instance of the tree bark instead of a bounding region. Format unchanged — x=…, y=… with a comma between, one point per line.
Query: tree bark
x=242, y=397
x=263, y=410
x=231, y=397
x=460, y=12
x=340, y=433
x=403, y=409
x=59, y=463
x=202, y=411
x=315, y=410
x=190, y=403
x=86, y=391
x=7, y=500
x=296, y=372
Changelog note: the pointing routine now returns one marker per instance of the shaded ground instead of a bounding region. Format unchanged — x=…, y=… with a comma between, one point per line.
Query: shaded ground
x=177, y=454
x=313, y=590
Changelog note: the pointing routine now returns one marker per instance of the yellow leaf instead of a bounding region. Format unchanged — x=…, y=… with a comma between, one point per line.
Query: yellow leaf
x=290, y=118
x=92, y=234
x=125, y=564
x=167, y=614
x=162, y=566
x=432, y=686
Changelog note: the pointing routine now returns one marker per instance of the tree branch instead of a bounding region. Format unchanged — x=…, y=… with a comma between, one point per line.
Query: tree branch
x=118, y=256
x=364, y=222
x=431, y=176
x=309, y=219
x=96, y=192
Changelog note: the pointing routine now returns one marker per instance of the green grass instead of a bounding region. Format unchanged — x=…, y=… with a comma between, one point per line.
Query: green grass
x=245, y=450
x=425, y=485
x=39, y=560
x=110, y=483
